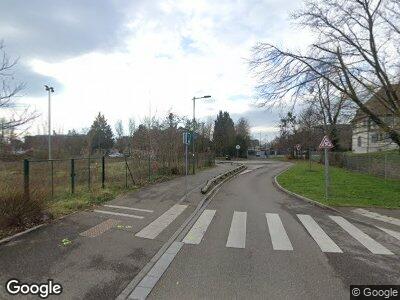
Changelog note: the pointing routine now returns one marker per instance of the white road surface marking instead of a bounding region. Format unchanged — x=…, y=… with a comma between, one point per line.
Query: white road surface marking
x=318, y=234
x=196, y=233
x=128, y=208
x=393, y=233
x=360, y=236
x=279, y=237
x=152, y=230
x=376, y=216
x=237, y=232
x=117, y=214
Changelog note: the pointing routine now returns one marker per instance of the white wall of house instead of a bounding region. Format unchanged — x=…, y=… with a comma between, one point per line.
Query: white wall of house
x=372, y=140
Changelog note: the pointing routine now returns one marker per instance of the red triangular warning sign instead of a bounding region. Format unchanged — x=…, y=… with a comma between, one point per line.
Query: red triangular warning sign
x=326, y=143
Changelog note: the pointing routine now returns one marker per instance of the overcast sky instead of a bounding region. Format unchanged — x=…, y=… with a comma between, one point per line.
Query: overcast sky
x=118, y=56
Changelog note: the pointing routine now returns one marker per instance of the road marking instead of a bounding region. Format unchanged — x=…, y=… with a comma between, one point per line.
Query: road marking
x=360, y=236
x=196, y=233
x=158, y=225
x=245, y=171
x=376, y=216
x=118, y=214
x=143, y=289
x=393, y=233
x=318, y=234
x=128, y=208
x=237, y=232
x=100, y=228
x=279, y=237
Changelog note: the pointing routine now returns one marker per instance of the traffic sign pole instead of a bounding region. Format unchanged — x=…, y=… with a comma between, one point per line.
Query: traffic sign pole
x=326, y=173
x=326, y=144
x=186, y=141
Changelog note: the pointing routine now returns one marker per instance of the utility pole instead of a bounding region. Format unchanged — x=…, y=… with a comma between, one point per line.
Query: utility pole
x=50, y=90
x=194, y=128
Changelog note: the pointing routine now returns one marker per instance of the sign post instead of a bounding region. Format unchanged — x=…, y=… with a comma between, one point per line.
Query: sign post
x=186, y=141
x=326, y=144
x=237, y=151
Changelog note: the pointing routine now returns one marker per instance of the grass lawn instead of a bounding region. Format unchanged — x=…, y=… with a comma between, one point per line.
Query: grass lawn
x=347, y=188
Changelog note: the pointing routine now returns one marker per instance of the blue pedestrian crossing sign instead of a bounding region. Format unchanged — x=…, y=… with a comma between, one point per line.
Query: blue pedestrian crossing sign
x=187, y=136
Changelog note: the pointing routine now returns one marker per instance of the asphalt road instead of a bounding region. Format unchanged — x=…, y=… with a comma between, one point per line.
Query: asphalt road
x=246, y=242
x=266, y=264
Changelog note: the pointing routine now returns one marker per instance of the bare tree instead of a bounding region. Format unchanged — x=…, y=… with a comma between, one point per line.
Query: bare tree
x=13, y=114
x=354, y=51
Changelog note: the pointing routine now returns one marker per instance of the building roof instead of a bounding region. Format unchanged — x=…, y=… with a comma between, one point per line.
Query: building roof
x=375, y=104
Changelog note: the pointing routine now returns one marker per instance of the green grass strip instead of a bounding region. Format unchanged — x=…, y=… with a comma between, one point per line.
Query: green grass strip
x=347, y=188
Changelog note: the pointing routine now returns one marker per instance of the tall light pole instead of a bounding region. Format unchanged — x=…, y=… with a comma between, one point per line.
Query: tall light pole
x=50, y=90
x=194, y=122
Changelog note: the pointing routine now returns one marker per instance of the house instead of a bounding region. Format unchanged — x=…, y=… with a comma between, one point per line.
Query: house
x=367, y=136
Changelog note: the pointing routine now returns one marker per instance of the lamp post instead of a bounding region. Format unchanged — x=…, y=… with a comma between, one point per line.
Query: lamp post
x=194, y=122
x=50, y=90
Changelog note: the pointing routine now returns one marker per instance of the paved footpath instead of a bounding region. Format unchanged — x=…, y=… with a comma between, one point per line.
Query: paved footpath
x=109, y=245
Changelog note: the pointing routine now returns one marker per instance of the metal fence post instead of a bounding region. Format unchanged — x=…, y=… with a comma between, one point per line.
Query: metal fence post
x=26, y=178
x=72, y=175
x=103, y=171
x=89, y=172
x=52, y=178
x=126, y=174
x=385, y=166
x=149, y=167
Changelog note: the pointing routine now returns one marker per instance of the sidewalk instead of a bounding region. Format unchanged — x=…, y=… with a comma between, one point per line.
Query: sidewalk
x=101, y=254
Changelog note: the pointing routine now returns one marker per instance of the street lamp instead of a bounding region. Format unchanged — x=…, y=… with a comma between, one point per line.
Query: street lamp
x=194, y=122
x=50, y=90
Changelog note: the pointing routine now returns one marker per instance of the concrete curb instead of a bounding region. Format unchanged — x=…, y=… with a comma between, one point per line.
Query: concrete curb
x=146, y=269
x=7, y=239
x=313, y=202
x=10, y=238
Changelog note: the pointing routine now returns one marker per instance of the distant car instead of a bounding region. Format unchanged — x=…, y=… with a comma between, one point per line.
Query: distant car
x=116, y=154
x=228, y=157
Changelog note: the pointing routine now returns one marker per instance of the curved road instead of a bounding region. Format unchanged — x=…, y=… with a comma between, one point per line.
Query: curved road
x=254, y=245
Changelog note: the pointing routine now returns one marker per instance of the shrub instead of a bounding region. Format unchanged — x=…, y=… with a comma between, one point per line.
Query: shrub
x=16, y=210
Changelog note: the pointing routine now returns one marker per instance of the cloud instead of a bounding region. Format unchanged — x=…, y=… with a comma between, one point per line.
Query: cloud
x=119, y=56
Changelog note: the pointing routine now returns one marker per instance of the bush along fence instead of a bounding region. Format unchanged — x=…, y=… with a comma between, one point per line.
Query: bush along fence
x=381, y=164
x=60, y=176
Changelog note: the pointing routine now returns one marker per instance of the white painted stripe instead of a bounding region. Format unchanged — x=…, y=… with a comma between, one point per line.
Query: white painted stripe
x=129, y=208
x=376, y=216
x=318, y=234
x=143, y=289
x=152, y=230
x=117, y=214
x=360, y=236
x=279, y=237
x=196, y=233
x=237, y=232
x=245, y=171
x=393, y=233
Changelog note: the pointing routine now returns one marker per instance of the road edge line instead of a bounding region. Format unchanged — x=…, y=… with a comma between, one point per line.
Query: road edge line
x=147, y=268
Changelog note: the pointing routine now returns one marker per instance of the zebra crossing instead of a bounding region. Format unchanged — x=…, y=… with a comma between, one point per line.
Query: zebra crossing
x=278, y=235
x=236, y=236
